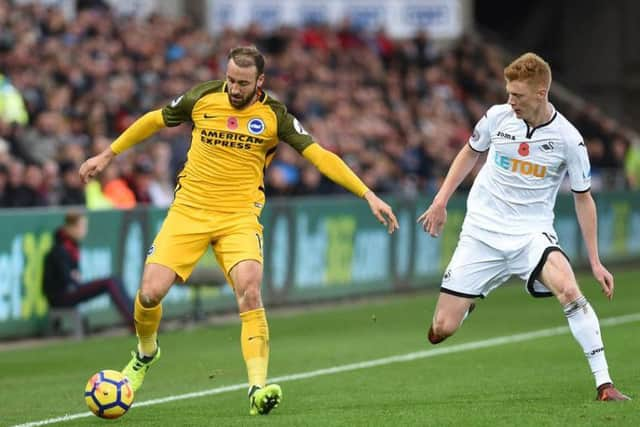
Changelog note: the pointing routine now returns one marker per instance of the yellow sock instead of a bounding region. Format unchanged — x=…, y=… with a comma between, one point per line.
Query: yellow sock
x=254, y=340
x=147, y=322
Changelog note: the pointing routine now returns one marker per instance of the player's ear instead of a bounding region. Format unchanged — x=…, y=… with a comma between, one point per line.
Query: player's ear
x=542, y=92
x=260, y=80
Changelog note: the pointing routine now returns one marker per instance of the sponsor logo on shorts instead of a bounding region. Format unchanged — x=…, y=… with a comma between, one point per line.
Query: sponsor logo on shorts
x=255, y=126
x=447, y=275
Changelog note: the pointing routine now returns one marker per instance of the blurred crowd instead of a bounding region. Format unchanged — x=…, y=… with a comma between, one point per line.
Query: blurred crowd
x=397, y=111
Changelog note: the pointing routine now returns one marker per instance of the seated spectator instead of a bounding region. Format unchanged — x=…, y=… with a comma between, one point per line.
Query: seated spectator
x=313, y=182
x=116, y=189
x=43, y=141
x=62, y=283
x=111, y=191
x=12, y=108
x=25, y=185
x=72, y=191
x=141, y=179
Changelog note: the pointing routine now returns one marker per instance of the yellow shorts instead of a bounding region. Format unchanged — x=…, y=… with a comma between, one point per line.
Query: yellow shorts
x=187, y=232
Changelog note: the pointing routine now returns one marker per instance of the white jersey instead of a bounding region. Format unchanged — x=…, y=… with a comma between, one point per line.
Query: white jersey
x=516, y=189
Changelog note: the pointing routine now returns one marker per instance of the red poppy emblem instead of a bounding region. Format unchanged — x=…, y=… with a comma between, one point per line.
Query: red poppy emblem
x=232, y=123
x=523, y=150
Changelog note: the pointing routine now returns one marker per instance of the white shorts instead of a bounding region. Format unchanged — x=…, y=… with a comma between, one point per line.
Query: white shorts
x=484, y=260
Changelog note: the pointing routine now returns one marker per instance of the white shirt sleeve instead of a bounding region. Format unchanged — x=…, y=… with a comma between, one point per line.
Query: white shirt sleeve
x=480, y=139
x=578, y=164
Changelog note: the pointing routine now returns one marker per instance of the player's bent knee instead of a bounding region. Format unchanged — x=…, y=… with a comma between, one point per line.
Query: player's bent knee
x=149, y=299
x=156, y=282
x=567, y=293
x=249, y=297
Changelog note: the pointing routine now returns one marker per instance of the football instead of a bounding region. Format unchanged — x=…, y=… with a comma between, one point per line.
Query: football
x=108, y=394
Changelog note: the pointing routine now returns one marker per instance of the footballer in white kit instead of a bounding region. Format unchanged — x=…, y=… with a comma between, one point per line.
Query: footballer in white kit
x=508, y=229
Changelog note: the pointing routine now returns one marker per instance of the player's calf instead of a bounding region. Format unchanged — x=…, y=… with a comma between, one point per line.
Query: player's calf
x=435, y=338
x=443, y=327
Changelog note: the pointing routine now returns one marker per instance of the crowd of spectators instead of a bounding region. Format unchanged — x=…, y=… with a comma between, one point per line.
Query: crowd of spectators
x=396, y=111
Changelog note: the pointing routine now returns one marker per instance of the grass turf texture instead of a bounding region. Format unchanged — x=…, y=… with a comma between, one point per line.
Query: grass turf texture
x=543, y=381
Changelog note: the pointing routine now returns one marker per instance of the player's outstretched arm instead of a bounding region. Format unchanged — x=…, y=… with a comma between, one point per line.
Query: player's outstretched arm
x=588, y=220
x=434, y=218
x=140, y=130
x=335, y=169
x=382, y=211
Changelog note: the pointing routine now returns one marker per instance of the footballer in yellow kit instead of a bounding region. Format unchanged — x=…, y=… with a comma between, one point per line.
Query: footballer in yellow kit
x=218, y=199
x=220, y=192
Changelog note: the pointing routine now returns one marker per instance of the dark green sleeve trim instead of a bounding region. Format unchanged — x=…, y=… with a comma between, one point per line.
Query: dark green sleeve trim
x=289, y=128
x=179, y=110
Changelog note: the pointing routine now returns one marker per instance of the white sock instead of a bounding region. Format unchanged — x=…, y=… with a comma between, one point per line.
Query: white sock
x=585, y=328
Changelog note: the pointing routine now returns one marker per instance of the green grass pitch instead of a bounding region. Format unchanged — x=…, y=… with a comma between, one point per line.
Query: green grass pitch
x=533, y=382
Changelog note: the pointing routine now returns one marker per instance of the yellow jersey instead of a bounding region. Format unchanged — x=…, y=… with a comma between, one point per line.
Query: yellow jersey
x=230, y=148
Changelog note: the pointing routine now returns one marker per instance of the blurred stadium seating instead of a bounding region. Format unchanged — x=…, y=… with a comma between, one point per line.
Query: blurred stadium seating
x=396, y=110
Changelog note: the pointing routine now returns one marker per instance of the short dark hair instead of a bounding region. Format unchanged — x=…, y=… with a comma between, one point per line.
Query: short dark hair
x=247, y=56
x=72, y=217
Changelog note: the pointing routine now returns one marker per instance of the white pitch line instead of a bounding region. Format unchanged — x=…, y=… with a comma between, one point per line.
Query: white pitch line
x=474, y=345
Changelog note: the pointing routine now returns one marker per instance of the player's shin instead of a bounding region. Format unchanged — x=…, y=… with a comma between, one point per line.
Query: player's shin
x=254, y=340
x=585, y=327
x=147, y=321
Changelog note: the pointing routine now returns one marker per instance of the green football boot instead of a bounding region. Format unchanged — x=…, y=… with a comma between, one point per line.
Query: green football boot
x=137, y=368
x=263, y=400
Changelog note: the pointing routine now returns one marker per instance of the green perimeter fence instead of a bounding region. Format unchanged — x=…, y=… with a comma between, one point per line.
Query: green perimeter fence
x=315, y=249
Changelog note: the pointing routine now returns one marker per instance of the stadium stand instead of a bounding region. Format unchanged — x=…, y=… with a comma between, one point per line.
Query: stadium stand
x=396, y=110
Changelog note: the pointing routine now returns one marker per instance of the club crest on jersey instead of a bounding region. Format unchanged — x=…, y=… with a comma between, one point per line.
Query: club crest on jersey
x=547, y=147
x=255, y=126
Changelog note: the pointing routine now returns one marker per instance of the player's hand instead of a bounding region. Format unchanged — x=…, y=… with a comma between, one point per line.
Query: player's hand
x=433, y=219
x=382, y=211
x=96, y=164
x=605, y=279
